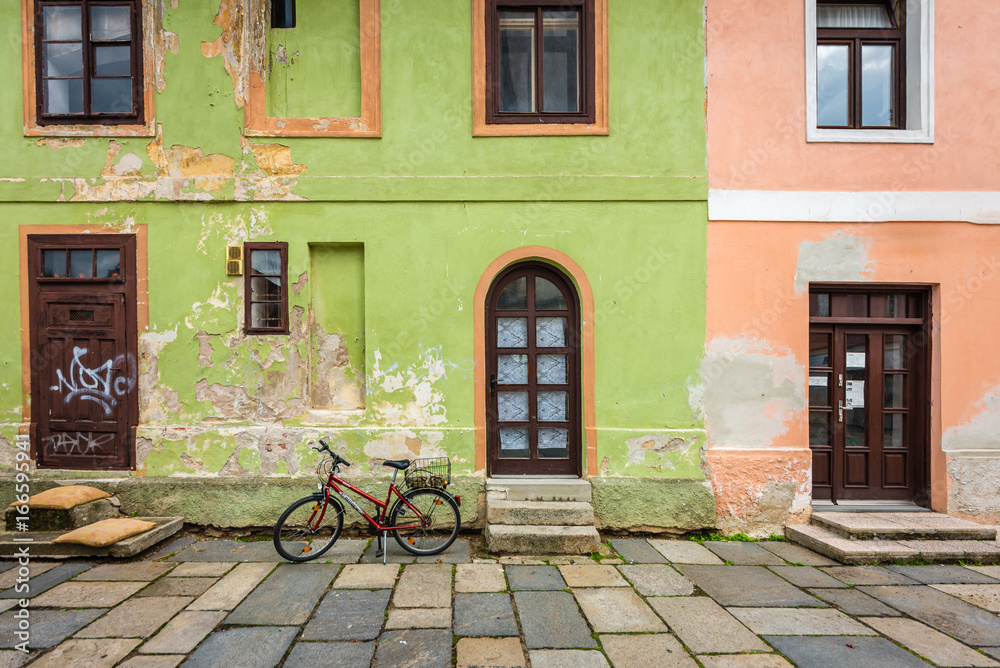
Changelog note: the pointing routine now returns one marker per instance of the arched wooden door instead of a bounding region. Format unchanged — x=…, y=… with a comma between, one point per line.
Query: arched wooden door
x=533, y=370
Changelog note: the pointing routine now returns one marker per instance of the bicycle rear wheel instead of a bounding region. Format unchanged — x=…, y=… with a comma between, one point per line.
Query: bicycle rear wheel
x=308, y=528
x=432, y=536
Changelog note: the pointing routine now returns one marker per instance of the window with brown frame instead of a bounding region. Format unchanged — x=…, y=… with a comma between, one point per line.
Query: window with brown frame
x=265, y=288
x=88, y=62
x=540, y=61
x=860, y=57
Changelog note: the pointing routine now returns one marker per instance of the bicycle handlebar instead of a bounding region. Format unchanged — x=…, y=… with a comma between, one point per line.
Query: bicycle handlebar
x=337, y=459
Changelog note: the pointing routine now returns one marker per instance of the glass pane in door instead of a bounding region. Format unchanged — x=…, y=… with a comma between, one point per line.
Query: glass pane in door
x=855, y=389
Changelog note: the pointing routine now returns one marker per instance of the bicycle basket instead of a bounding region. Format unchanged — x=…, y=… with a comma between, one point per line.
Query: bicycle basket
x=431, y=472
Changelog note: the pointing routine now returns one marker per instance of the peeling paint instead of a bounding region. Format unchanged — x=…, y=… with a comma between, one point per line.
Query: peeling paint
x=840, y=257
x=242, y=42
x=424, y=403
x=656, y=445
x=333, y=386
x=974, y=488
x=982, y=432
x=56, y=143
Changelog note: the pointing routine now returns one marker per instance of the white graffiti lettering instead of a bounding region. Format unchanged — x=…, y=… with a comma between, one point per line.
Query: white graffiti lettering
x=115, y=378
x=78, y=443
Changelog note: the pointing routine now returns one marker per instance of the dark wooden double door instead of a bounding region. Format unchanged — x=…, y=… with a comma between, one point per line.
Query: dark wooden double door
x=533, y=367
x=84, y=374
x=868, y=397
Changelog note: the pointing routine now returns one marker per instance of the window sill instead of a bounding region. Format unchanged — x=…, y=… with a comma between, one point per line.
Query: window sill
x=85, y=130
x=817, y=135
x=538, y=129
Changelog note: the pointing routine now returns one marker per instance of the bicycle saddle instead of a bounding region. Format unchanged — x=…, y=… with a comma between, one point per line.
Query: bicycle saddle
x=397, y=464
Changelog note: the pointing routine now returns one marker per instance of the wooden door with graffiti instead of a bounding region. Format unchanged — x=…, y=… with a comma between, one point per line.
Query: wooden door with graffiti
x=84, y=376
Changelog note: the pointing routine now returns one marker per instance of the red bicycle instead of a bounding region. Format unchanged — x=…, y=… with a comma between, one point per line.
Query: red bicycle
x=424, y=519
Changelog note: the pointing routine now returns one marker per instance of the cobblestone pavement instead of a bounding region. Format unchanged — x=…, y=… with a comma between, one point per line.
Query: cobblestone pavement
x=652, y=603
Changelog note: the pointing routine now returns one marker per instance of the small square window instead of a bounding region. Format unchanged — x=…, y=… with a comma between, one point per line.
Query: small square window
x=266, y=288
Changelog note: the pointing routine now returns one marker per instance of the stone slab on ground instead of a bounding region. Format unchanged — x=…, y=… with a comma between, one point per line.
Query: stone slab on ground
x=47, y=580
x=534, y=578
x=183, y=633
x=424, y=586
x=639, y=651
x=460, y=552
x=43, y=544
x=551, y=619
x=201, y=569
x=799, y=622
x=287, y=597
x=348, y=614
x=12, y=658
x=983, y=596
x=227, y=593
x=612, y=610
x=178, y=587
x=419, y=618
x=948, y=614
x=747, y=586
x=685, y=552
x=868, y=575
x=796, y=554
x=471, y=578
x=704, y=626
x=944, y=574
x=491, y=652
x=806, y=576
x=247, y=647
x=902, y=526
x=744, y=661
x=228, y=550
x=331, y=654
x=484, y=615
x=161, y=661
x=367, y=576
x=9, y=577
x=637, y=551
x=854, y=602
x=89, y=653
x=136, y=618
x=657, y=580
x=48, y=627
x=928, y=643
x=422, y=648
x=586, y=575
x=176, y=545
x=567, y=658
x=535, y=539
x=743, y=554
x=394, y=553
x=86, y=594
x=992, y=651
x=827, y=651
x=141, y=570
x=992, y=571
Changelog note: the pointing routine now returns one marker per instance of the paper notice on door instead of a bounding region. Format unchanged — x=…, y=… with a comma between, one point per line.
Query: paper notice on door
x=818, y=381
x=855, y=394
x=855, y=360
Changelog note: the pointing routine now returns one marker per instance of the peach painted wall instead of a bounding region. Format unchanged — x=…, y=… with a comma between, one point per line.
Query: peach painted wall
x=757, y=118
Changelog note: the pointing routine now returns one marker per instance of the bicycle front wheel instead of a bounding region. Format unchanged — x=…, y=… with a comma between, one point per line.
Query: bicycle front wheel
x=308, y=528
x=430, y=530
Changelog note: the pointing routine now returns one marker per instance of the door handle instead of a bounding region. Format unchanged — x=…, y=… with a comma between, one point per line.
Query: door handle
x=493, y=384
x=840, y=411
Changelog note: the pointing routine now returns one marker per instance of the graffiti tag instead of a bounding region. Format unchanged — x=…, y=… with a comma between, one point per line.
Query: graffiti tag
x=102, y=385
x=79, y=443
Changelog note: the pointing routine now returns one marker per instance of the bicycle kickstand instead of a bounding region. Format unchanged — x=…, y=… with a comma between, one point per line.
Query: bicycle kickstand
x=380, y=541
x=385, y=545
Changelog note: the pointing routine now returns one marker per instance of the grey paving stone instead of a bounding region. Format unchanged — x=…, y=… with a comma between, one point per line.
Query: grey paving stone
x=286, y=597
x=806, y=576
x=48, y=627
x=142, y=570
x=657, y=580
x=799, y=622
x=331, y=654
x=201, y=569
x=248, y=647
x=928, y=643
x=424, y=586
x=944, y=574
x=867, y=575
x=233, y=588
x=748, y=586
x=7, y=565
x=12, y=658
x=684, y=552
x=394, y=554
x=945, y=613
x=484, y=615
x=551, y=619
x=422, y=648
x=9, y=577
x=744, y=661
x=176, y=545
x=47, y=580
x=161, y=661
x=992, y=651
x=419, y=618
x=854, y=602
x=87, y=653
x=827, y=651
x=567, y=658
x=637, y=551
x=743, y=554
x=796, y=554
x=479, y=578
x=136, y=618
x=491, y=652
x=638, y=651
x=460, y=552
x=705, y=626
x=227, y=550
x=348, y=614
x=183, y=633
x=178, y=587
x=614, y=610
x=983, y=596
x=534, y=578
x=992, y=571
x=86, y=594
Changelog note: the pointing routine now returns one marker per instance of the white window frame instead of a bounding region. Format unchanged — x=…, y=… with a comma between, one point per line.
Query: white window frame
x=919, y=83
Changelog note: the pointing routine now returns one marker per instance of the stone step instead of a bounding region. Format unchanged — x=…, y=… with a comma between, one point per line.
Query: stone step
x=538, y=539
x=848, y=551
x=52, y=519
x=902, y=526
x=541, y=489
x=43, y=547
x=566, y=513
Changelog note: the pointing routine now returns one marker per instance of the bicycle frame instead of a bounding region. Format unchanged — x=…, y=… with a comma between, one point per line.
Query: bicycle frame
x=383, y=506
